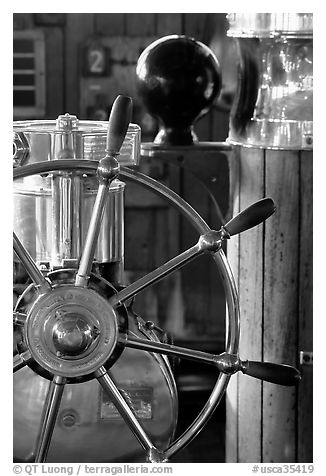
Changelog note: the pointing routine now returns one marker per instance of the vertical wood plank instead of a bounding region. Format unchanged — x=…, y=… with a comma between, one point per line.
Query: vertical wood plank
x=162, y=242
x=110, y=24
x=79, y=27
x=195, y=277
x=251, y=306
x=168, y=24
x=280, y=303
x=231, y=399
x=140, y=24
x=139, y=230
x=285, y=434
x=174, y=217
x=199, y=274
x=174, y=221
x=216, y=24
x=23, y=21
x=217, y=174
x=194, y=25
x=54, y=73
x=305, y=389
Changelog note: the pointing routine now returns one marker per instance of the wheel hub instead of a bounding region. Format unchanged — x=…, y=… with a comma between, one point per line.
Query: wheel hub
x=71, y=331
x=72, y=335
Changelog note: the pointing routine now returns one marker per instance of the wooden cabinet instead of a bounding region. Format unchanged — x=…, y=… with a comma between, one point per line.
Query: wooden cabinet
x=273, y=267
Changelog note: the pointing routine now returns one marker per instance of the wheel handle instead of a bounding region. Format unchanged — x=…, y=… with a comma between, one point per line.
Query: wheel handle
x=270, y=372
x=279, y=374
x=108, y=169
x=250, y=217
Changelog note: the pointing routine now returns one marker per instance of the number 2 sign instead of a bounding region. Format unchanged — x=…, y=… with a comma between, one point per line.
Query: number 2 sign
x=95, y=58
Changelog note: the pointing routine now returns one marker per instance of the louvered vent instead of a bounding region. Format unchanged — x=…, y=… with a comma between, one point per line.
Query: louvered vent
x=29, y=74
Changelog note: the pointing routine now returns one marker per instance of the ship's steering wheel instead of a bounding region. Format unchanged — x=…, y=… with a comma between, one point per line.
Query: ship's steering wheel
x=70, y=353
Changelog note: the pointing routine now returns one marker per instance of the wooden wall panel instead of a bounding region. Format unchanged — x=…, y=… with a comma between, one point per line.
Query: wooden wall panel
x=233, y=250
x=141, y=255
x=124, y=53
x=194, y=25
x=305, y=390
x=195, y=277
x=23, y=21
x=281, y=302
x=245, y=255
x=140, y=24
x=251, y=306
x=216, y=173
x=274, y=423
x=109, y=24
x=168, y=24
x=55, y=91
x=79, y=27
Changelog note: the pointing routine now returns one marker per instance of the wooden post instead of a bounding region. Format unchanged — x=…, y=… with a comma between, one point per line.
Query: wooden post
x=273, y=269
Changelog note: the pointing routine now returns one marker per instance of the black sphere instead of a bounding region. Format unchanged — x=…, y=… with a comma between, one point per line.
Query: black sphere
x=178, y=78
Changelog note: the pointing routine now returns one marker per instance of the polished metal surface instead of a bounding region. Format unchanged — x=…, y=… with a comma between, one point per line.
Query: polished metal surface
x=63, y=233
x=156, y=275
x=52, y=215
x=71, y=350
x=269, y=25
x=94, y=434
x=72, y=335
x=86, y=140
x=226, y=363
x=107, y=171
x=52, y=212
x=306, y=358
x=124, y=409
x=41, y=283
x=273, y=104
x=110, y=246
x=19, y=318
x=20, y=149
x=50, y=412
x=20, y=360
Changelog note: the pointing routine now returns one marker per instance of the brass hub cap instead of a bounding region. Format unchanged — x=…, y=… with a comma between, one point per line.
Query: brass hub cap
x=71, y=331
x=72, y=335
